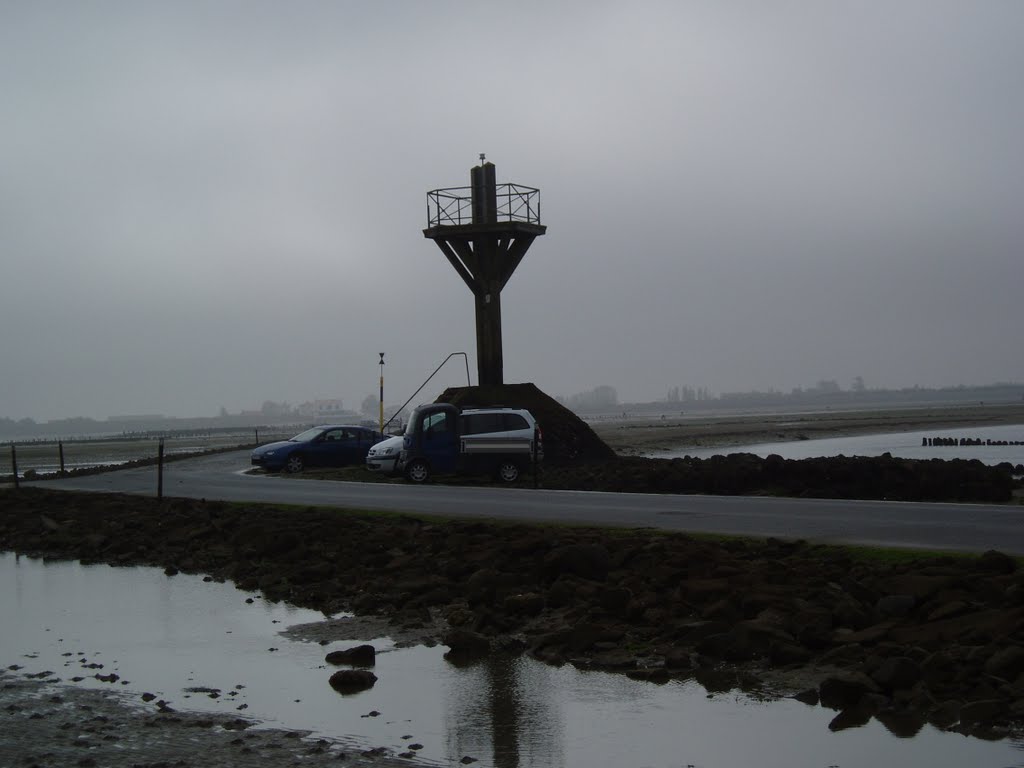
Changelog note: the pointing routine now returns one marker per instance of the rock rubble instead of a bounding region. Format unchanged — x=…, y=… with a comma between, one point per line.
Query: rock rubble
x=907, y=639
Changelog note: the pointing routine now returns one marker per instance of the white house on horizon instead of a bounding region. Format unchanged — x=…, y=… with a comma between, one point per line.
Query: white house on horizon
x=322, y=410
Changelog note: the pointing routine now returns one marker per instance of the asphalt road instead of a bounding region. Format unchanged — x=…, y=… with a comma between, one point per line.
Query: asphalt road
x=963, y=527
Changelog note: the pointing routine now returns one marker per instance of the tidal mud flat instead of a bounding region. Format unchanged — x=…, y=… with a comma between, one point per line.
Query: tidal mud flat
x=50, y=726
x=637, y=435
x=906, y=639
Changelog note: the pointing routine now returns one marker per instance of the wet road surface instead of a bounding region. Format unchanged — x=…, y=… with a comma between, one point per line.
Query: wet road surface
x=959, y=527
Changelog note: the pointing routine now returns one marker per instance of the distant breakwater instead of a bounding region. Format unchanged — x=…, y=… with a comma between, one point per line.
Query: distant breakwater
x=956, y=441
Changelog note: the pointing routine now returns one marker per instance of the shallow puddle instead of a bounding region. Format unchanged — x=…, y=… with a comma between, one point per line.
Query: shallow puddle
x=166, y=635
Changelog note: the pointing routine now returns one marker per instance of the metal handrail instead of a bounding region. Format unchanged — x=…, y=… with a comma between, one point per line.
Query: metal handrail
x=453, y=206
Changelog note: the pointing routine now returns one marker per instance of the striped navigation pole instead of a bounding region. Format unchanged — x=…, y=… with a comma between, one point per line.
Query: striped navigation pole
x=381, y=392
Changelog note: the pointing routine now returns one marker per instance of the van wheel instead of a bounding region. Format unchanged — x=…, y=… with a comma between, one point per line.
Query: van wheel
x=508, y=472
x=417, y=471
x=294, y=463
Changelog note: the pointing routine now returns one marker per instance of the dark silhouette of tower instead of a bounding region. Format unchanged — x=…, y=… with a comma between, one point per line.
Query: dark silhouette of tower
x=484, y=230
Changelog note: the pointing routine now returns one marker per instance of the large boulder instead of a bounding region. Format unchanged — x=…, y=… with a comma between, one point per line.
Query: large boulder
x=897, y=673
x=844, y=690
x=360, y=656
x=466, y=642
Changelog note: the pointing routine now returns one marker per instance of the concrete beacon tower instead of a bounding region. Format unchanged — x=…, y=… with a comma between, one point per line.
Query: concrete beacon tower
x=484, y=230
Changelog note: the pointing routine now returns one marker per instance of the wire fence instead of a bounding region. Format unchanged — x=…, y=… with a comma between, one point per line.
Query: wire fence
x=49, y=456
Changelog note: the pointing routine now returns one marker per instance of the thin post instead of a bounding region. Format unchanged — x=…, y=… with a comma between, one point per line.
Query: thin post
x=257, y=430
x=535, y=433
x=160, y=470
x=14, y=465
x=60, y=451
x=381, y=392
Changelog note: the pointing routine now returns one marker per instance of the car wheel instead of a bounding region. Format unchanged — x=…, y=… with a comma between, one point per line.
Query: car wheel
x=417, y=471
x=294, y=463
x=508, y=472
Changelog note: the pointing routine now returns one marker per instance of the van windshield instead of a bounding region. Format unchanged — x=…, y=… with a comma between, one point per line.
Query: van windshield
x=414, y=419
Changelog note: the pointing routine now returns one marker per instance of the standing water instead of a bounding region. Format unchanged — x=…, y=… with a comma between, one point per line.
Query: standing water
x=185, y=639
x=904, y=445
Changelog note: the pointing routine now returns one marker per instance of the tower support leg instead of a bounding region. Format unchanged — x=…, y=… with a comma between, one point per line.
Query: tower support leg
x=488, y=336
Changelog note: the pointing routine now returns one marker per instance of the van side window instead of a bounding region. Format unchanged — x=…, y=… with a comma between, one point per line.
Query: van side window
x=436, y=422
x=482, y=423
x=514, y=421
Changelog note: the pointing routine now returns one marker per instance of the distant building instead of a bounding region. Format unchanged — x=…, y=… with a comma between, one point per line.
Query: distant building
x=322, y=410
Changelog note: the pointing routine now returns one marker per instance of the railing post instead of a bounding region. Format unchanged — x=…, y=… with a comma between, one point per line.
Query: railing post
x=60, y=451
x=14, y=465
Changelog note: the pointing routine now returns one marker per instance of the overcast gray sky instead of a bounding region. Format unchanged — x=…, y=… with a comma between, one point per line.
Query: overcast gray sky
x=217, y=203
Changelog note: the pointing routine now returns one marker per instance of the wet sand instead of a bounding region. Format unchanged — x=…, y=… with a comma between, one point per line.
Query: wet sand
x=46, y=724
x=648, y=434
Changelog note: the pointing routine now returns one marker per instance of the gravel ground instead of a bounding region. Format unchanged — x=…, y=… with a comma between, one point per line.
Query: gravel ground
x=48, y=724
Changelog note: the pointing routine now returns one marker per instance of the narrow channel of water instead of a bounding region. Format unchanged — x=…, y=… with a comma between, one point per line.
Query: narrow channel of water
x=905, y=445
x=165, y=635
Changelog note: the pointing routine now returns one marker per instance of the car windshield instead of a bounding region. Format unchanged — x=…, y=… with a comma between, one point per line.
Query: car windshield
x=309, y=434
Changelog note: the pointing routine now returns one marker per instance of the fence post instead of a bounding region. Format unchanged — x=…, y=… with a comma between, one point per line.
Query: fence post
x=160, y=471
x=60, y=450
x=535, y=431
x=257, y=430
x=14, y=465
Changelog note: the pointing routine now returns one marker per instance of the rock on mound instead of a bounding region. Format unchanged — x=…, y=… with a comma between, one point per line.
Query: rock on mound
x=567, y=438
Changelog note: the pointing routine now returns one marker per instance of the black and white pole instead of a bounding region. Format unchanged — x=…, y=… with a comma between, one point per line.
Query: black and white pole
x=381, y=392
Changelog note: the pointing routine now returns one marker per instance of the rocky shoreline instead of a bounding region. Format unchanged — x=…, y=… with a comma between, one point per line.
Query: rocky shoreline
x=907, y=638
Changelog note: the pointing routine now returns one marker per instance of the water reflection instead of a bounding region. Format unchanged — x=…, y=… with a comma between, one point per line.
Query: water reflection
x=167, y=635
x=902, y=724
x=498, y=705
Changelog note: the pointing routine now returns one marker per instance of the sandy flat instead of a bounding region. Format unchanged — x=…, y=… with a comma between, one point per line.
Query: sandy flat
x=643, y=435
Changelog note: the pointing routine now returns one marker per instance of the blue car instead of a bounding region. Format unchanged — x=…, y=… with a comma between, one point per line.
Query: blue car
x=327, y=446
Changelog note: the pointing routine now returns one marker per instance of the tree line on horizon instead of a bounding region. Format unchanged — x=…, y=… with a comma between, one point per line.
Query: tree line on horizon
x=599, y=398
